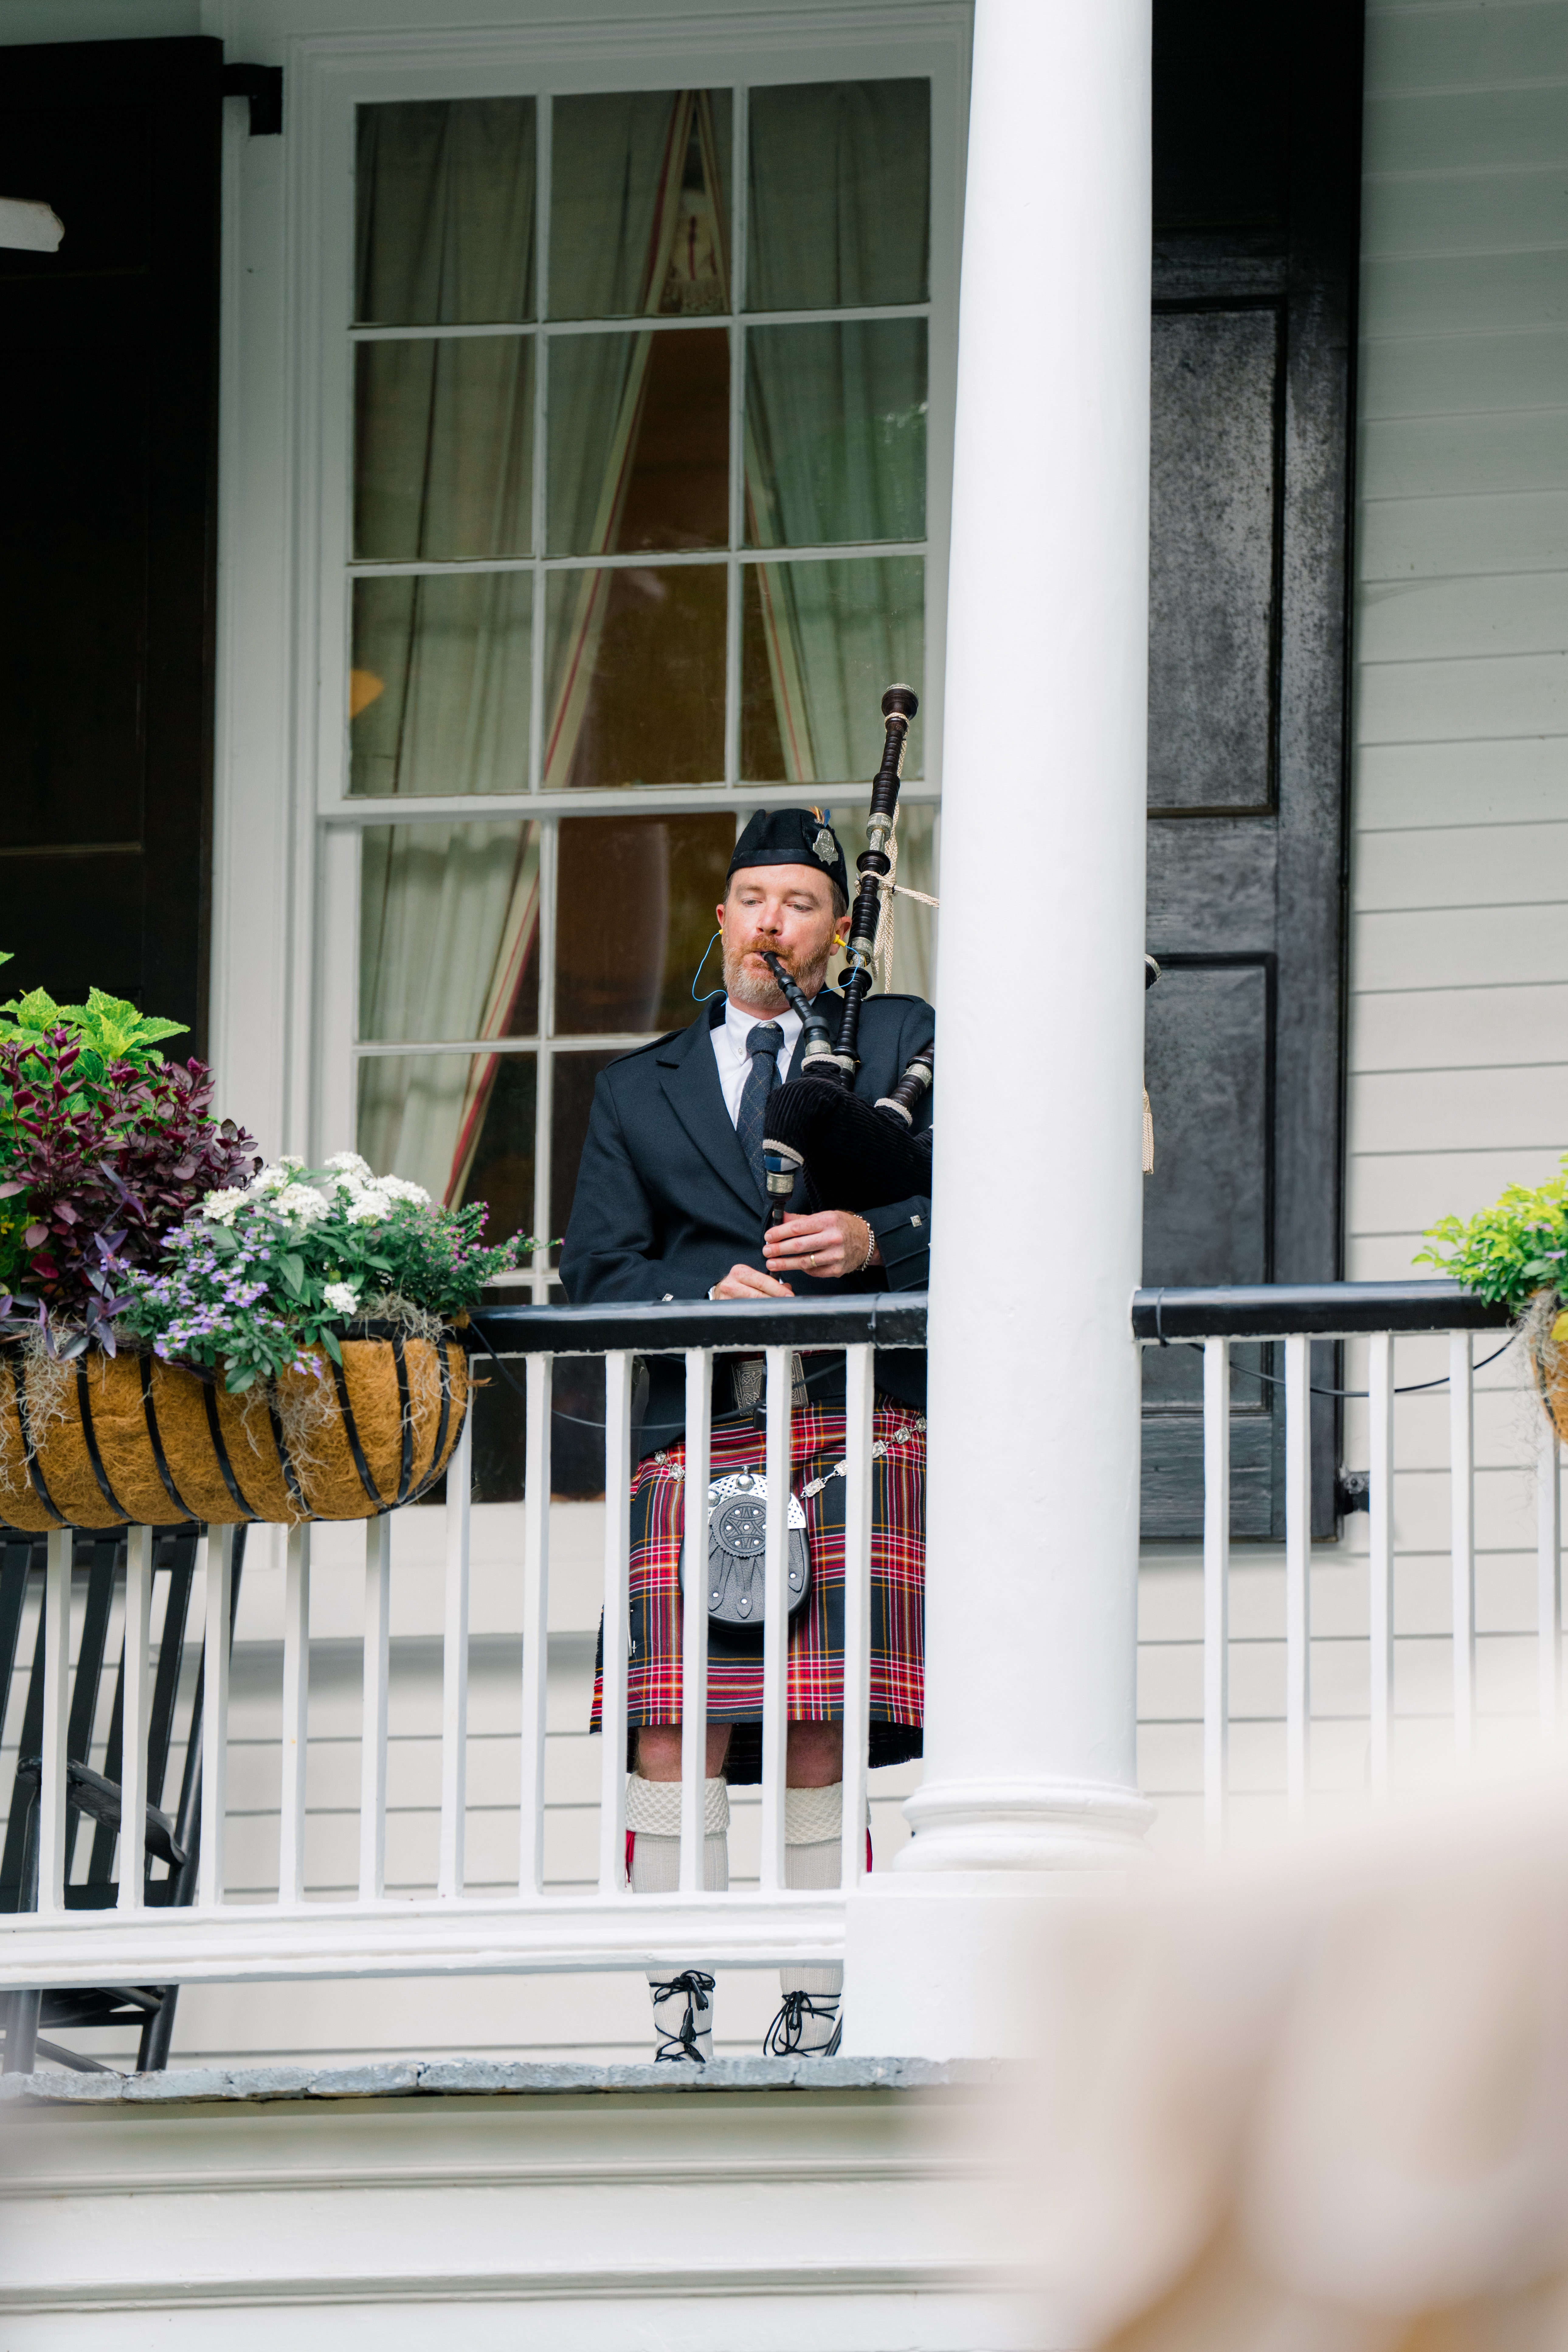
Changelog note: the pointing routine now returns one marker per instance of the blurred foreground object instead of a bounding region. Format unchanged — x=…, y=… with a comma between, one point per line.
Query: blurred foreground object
x=1320, y=2107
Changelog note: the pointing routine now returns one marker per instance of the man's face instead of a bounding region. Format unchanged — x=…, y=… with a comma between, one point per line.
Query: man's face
x=787, y=909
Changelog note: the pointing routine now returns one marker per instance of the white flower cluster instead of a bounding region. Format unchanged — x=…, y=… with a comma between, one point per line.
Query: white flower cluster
x=341, y=1297
x=219, y=1207
x=366, y=1199
x=369, y=1197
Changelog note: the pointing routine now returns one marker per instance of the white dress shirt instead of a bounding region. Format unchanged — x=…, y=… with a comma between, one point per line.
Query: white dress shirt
x=730, y=1050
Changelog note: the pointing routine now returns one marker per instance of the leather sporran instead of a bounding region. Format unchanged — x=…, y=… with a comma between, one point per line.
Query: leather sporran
x=737, y=1539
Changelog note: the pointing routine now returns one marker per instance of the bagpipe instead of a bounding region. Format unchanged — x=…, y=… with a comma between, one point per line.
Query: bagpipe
x=826, y=1147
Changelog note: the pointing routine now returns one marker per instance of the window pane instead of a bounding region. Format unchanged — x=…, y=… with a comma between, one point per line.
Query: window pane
x=639, y=442
x=635, y=902
x=439, y=691
x=822, y=643
x=838, y=203
x=449, y=931
x=571, y=1081
x=444, y=448
x=459, y=1124
x=639, y=204
x=443, y=203
x=836, y=433
x=634, y=677
x=914, y=926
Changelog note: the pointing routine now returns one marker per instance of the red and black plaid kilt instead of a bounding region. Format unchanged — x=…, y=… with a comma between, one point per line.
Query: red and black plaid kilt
x=817, y=1633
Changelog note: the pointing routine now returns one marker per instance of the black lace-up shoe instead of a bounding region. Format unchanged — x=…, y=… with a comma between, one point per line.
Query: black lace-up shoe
x=807, y=2026
x=683, y=2019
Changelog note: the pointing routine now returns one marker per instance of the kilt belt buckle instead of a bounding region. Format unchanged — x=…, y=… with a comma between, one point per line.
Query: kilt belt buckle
x=737, y=1542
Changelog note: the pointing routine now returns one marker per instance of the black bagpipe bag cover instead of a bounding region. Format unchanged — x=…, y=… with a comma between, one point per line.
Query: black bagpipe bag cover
x=856, y=1156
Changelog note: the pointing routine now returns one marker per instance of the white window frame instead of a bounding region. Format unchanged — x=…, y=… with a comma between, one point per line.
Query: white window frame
x=329, y=79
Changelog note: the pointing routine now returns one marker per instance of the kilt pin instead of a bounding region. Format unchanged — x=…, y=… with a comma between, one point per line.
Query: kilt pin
x=815, y=1664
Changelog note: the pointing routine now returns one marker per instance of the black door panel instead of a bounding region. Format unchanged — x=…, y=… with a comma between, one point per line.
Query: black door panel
x=108, y=414
x=1257, y=136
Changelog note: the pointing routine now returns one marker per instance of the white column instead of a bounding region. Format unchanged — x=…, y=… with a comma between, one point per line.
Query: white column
x=1033, y=1497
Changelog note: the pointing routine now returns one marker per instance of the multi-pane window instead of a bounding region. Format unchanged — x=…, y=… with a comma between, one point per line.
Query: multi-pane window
x=638, y=505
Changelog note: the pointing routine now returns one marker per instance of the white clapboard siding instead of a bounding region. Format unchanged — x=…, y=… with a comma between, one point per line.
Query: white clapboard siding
x=1459, y=861
x=1458, y=1036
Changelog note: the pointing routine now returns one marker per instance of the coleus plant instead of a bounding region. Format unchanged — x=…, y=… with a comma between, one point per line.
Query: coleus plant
x=105, y=1029
x=104, y=1148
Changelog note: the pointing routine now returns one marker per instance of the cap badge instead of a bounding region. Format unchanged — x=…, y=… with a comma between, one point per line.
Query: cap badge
x=823, y=848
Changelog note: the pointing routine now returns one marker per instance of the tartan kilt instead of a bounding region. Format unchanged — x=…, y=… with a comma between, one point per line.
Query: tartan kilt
x=815, y=1684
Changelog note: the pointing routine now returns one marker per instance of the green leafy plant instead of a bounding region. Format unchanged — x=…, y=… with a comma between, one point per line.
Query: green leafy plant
x=1511, y=1251
x=268, y=1273
x=103, y=1148
x=105, y=1029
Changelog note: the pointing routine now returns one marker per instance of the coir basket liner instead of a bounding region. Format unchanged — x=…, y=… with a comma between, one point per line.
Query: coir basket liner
x=111, y=1440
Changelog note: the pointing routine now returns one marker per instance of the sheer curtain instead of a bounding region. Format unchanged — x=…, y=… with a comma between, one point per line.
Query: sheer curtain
x=449, y=913
x=449, y=924
x=836, y=413
x=633, y=232
x=445, y=213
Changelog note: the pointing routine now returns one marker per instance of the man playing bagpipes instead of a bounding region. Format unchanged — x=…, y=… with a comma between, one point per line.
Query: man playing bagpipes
x=672, y=1197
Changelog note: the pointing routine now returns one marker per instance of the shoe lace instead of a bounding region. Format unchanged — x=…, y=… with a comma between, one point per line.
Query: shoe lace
x=785, y=2033
x=683, y=2043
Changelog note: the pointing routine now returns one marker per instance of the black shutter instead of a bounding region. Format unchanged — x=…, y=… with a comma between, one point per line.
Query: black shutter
x=108, y=422
x=1257, y=161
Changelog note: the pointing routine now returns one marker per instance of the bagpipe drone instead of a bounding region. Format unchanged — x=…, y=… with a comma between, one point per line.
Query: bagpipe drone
x=825, y=1146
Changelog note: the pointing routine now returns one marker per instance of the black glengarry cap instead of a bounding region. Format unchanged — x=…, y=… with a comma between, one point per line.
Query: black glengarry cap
x=793, y=837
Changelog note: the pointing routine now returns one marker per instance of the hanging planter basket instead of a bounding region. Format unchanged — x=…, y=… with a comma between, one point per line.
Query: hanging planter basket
x=111, y=1441
x=1545, y=1327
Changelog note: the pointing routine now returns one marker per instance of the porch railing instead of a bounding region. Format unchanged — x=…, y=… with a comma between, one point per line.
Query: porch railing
x=1426, y=1331
x=1410, y=1369
x=456, y=1931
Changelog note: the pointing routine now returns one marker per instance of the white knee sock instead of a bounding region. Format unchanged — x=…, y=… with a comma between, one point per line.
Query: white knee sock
x=682, y=1999
x=653, y=1817
x=813, y=1834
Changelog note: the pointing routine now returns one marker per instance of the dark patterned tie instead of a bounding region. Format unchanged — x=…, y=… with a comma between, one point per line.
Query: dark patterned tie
x=764, y=1044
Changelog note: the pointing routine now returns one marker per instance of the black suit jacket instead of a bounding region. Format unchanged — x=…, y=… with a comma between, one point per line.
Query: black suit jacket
x=666, y=1202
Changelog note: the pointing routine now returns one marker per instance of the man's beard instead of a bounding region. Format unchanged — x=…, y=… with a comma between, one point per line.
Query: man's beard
x=762, y=993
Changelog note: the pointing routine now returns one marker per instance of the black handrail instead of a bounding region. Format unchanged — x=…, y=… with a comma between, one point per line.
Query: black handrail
x=887, y=1319
x=1272, y=1310
x=1263, y=1310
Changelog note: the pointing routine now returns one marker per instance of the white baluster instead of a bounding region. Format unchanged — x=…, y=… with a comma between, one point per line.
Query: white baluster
x=372, y=1719
x=57, y=1700
x=133, y=1717
x=1297, y=1570
x=617, y=1543
x=694, y=1621
x=1216, y=1588
x=535, y=1619
x=775, y=1620
x=1380, y=1561
x=1548, y=1584
x=215, y=1710
x=296, y=1716
x=454, y=1666
x=859, y=1393
x=1462, y=1508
